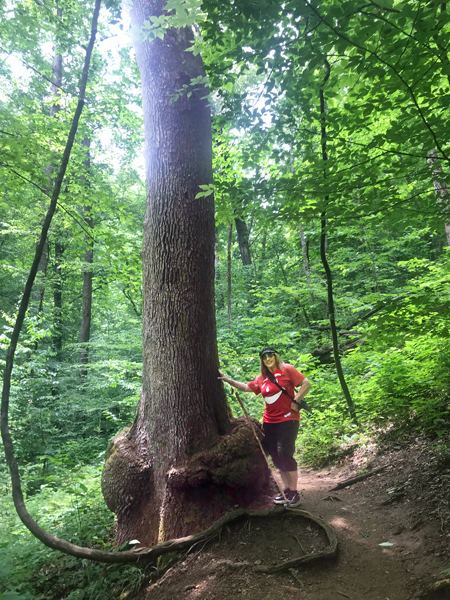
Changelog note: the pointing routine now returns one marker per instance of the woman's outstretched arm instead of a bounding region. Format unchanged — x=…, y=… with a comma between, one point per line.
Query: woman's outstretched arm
x=243, y=387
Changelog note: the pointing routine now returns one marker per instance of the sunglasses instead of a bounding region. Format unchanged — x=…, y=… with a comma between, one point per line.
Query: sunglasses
x=268, y=355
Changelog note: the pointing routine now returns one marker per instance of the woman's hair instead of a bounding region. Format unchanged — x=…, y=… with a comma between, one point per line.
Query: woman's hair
x=279, y=364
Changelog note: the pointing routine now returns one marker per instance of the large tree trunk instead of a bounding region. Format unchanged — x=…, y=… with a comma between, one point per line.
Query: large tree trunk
x=184, y=462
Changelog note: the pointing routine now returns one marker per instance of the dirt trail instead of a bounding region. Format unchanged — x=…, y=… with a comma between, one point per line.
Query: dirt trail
x=362, y=570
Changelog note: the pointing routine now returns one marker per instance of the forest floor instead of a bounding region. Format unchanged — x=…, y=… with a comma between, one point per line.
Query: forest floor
x=406, y=505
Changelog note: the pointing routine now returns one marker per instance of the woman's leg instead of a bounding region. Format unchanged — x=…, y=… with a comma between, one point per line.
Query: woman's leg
x=292, y=478
x=270, y=445
x=287, y=435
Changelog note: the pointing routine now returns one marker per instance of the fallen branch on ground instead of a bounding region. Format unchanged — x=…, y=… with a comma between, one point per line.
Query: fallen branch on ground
x=353, y=480
x=297, y=578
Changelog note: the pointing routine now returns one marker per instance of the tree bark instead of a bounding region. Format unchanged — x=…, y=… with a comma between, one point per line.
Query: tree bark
x=184, y=462
x=86, y=310
x=242, y=232
x=242, y=236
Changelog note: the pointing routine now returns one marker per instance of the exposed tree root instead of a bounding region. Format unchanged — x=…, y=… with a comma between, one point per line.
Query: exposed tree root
x=353, y=480
x=440, y=590
x=330, y=551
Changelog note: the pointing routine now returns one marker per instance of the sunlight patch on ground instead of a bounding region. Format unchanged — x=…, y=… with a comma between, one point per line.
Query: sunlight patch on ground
x=340, y=523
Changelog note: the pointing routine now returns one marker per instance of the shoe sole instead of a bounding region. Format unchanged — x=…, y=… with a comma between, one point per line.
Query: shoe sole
x=282, y=501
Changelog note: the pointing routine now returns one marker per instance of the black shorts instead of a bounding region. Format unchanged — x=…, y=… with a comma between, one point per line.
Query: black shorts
x=279, y=442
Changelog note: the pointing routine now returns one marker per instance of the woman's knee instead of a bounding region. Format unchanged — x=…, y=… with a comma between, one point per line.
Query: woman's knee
x=286, y=462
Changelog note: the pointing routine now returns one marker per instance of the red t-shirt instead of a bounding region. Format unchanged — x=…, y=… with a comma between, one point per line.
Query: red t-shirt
x=278, y=404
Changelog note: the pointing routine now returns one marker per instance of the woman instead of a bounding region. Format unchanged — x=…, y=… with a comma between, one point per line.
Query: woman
x=277, y=384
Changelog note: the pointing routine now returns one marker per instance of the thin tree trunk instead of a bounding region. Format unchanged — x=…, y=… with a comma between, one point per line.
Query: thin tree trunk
x=45, y=537
x=57, y=297
x=86, y=311
x=323, y=254
x=230, y=240
x=242, y=236
x=334, y=335
x=263, y=245
x=242, y=232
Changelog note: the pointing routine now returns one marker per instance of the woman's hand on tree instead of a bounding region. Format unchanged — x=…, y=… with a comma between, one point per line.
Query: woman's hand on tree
x=222, y=376
x=243, y=387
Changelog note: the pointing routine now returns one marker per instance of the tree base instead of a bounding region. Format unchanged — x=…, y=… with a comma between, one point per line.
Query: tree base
x=231, y=474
